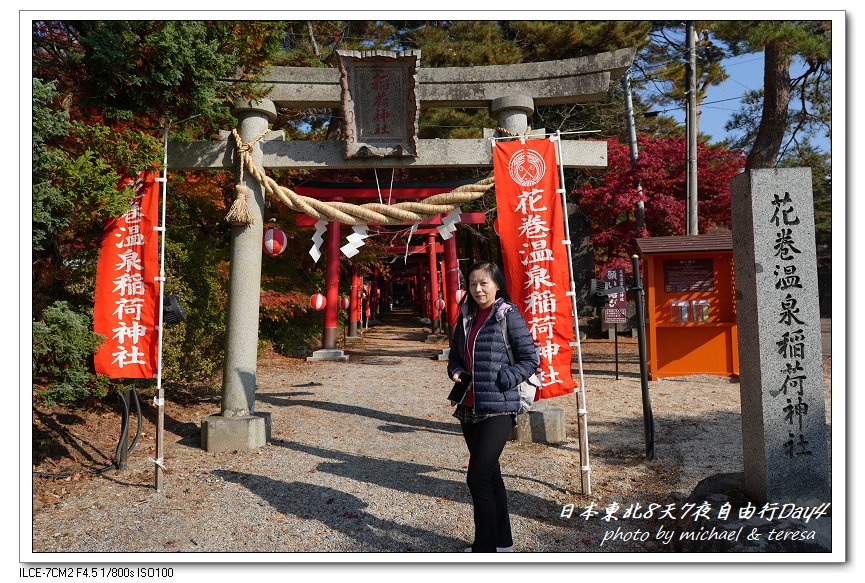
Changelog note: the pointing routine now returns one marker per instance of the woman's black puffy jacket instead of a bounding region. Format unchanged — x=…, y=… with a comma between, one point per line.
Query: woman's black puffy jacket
x=494, y=379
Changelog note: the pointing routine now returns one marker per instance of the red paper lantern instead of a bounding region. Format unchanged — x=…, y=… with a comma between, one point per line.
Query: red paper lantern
x=440, y=304
x=318, y=302
x=344, y=302
x=459, y=295
x=274, y=241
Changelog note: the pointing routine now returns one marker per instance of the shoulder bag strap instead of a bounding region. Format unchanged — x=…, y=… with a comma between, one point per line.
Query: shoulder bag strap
x=503, y=324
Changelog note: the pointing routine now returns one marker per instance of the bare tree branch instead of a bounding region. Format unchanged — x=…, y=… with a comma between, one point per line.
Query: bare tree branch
x=312, y=39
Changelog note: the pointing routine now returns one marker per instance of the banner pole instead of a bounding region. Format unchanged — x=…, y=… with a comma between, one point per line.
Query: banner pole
x=160, y=391
x=582, y=422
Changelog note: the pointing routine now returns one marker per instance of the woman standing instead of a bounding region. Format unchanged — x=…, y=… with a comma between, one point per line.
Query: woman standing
x=488, y=397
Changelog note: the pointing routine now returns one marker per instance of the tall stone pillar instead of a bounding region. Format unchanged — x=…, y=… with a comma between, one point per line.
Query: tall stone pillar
x=238, y=427
x=786, y=455
x=512, y=112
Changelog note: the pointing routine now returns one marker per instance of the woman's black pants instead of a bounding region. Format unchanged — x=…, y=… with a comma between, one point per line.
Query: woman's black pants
x=485, y=441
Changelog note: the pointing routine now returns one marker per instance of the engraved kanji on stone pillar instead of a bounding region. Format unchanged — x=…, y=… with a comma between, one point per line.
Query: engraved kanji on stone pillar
x=780, y=353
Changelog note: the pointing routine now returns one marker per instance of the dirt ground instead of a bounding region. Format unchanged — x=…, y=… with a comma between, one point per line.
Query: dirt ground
x=697, y=419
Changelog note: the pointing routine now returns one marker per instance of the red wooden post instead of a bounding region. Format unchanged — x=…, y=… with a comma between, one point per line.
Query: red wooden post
x=367, y=308
x=354, y=304
x=331, y=310
x=444, y=285
x=452, y=276
x=435, y=314
x=375, y=294
x=423, y=294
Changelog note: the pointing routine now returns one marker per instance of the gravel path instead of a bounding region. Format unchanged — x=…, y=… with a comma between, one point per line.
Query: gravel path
x=365, y=457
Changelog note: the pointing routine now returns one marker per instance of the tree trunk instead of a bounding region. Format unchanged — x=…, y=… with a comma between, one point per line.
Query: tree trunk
x=776, y=98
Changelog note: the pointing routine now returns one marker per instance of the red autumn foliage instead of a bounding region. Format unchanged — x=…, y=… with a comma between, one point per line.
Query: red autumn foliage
x=609, y=198
x=283, y=306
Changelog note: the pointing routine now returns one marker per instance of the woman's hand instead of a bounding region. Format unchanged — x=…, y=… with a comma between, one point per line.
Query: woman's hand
x=456, y=377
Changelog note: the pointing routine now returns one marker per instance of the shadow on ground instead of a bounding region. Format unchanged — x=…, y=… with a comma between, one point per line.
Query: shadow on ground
x=280, y=400
x=411, y=478
x=332, y=507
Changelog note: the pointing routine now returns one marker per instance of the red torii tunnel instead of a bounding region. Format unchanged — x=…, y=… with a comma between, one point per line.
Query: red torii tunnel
x=426, y=282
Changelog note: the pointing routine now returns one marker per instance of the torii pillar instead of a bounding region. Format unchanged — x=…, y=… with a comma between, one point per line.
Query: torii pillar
x=452, y=284
x=375, y=297
x=434, y=312
x=238, y=426
x=329, y=351
x=354, y=306
x=443, y=282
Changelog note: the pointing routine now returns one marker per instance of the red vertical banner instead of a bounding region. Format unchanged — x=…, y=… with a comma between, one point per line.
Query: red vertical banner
x=127, y=292
x=531, y=230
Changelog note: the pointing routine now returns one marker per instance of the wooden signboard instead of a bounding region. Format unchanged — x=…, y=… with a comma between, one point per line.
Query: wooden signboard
x=380, y=101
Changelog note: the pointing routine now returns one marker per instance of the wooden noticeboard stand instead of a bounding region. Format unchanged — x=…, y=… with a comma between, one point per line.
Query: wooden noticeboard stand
x=690, y=305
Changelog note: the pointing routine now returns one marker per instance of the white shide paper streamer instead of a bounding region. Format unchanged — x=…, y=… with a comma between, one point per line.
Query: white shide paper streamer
x=355, y=240
x=315, y=251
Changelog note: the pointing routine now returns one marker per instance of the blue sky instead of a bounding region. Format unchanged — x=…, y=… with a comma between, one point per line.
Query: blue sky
x=745, y=73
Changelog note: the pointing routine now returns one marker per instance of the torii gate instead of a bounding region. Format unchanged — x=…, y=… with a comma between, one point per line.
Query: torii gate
x=510, y=92
x=363, y=191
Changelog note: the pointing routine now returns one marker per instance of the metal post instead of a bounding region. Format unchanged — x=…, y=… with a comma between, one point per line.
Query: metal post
x=121, y=455
x=160, y=391
x=585, y=468
x=692, y=129
x=639, y=300
x=632, y=143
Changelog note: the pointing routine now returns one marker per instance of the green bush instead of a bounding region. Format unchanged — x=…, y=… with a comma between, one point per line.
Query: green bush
x=196, y=270
x=63, y=347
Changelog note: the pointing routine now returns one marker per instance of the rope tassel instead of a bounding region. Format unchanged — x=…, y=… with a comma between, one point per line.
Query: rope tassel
x=239, y=214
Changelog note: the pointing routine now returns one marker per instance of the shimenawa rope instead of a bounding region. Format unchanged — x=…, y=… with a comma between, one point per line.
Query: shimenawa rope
x=345, y=213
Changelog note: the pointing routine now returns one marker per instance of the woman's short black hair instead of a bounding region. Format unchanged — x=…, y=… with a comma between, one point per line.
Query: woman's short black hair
x=495, y=273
